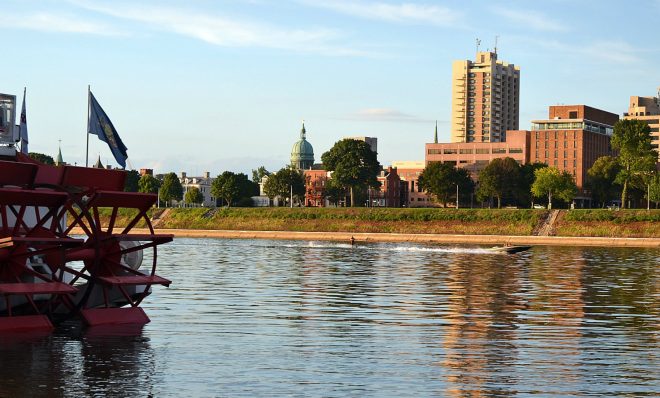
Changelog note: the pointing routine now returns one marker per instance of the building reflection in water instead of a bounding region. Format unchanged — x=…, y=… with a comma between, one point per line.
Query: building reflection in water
x=479, y=339
x=74, y=362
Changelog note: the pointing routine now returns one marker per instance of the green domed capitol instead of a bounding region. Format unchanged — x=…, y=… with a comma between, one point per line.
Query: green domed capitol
x=302, y=153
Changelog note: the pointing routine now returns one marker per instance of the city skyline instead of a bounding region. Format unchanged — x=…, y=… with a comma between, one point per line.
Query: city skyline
x=214, y=86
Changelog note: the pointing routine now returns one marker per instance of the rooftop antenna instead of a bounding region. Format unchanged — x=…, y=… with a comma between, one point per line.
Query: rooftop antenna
x=478, y=44
x=495, y=48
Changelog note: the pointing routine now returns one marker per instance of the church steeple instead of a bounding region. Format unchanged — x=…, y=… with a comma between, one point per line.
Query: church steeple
x=303, y=133
x=59, y=161
x=435, y=140
x=98, y=164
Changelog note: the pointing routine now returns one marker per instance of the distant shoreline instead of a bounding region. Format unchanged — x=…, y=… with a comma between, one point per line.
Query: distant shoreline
x=416, y=238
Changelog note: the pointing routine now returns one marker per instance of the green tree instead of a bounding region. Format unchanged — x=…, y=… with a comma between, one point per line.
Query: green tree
x=499, y=179
x=632, y=138
x=226, y=186
x=440, y=180
x=552, y=182
x=527, y=170
x=131, y=182
x=601, y=179
x=354, y=165
x=193, y=196
x=40, y=157
x=259, y=173
x=654, y=190
x=171, y=188
x=283, y=182
x=148, y=184
x=333, y=192
x=465, y=182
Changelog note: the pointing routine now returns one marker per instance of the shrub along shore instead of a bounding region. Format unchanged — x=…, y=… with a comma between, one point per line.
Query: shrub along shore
x=499, y=222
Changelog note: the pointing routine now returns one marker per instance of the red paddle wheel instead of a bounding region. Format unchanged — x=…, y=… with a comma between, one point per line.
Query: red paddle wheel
x=62, y=253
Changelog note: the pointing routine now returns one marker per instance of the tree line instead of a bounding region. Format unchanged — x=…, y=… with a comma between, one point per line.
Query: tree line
x=631, y=173
x=354, y=169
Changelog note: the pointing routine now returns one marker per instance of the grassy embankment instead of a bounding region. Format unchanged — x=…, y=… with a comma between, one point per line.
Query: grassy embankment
x=606, y=223
x=413, y=221
x=599, y=223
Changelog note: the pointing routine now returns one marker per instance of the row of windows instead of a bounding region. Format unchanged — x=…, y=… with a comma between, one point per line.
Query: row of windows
x=556, y=144
x=469, y=151
x=555, y=154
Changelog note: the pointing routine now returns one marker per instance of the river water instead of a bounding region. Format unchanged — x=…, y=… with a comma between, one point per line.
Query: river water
x=291, y=318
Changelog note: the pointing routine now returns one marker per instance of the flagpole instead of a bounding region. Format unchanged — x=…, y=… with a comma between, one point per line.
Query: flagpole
x=89, y=91
x=21, y=133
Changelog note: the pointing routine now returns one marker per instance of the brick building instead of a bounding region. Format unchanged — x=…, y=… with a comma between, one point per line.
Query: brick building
x=315, y=181
x=571, y=139
x=389, y=194
x=474, y=156
x=411, y=195
x=485, y=99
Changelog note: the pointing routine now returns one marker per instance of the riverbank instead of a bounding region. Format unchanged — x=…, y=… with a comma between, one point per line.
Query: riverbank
x=637, y=228
x=361, y=237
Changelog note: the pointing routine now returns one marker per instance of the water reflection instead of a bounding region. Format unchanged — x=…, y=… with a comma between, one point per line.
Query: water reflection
x=264, y=318
x=74, y=363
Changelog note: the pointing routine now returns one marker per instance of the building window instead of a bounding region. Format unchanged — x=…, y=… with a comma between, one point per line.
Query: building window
x=499, y=150
x=555, y=154
x=556, y=143
x=482, y=151
x=555, y=163
x=574, y=165
x=565, y=164
x=465, y=151
x=515, y=150
x=572, y=115
x=565, y=144
x=449, y=151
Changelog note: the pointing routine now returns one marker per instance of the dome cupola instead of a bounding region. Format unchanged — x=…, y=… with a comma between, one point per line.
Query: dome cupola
x=302, y=153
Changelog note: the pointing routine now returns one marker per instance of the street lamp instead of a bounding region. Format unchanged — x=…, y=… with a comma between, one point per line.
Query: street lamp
x=456, y=195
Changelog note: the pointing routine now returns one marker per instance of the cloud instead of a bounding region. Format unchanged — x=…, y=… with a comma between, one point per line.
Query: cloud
x=225, y=31
x=399, y=13
x=617, y=51
x=530, y=19
x=608, y=51
x=47, y=22
x=385, y=115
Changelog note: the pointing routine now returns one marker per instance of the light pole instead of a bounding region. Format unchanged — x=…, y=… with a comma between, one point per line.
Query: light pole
x=291, y=196
x=456, y=195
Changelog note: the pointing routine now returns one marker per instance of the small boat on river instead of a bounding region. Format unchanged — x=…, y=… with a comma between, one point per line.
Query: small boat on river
x=510, y=249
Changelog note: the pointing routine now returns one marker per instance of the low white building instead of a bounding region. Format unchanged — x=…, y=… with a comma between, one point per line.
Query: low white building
x=202, y=183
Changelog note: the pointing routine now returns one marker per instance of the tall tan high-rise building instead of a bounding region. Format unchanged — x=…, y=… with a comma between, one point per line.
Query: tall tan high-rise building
x=648, y=110
x=485, y=99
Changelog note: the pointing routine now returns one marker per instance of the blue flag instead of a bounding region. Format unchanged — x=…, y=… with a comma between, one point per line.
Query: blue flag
x=101, y=126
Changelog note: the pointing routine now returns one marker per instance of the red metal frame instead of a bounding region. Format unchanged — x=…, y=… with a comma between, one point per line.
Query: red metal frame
x=48, y=194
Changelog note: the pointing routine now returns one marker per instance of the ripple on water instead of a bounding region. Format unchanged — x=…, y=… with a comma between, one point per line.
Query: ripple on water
x=267, y=318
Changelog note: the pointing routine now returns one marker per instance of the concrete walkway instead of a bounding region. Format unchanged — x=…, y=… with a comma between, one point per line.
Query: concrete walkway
x=421, y=238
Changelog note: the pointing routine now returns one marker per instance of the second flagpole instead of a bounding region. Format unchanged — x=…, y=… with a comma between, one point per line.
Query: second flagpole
x=87, y=132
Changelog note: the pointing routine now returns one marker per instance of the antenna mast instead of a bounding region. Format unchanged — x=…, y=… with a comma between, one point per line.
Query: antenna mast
x=478, y=44
x=495, y=49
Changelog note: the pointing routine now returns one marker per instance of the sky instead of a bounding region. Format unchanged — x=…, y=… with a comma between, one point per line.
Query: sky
x=214, y=85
